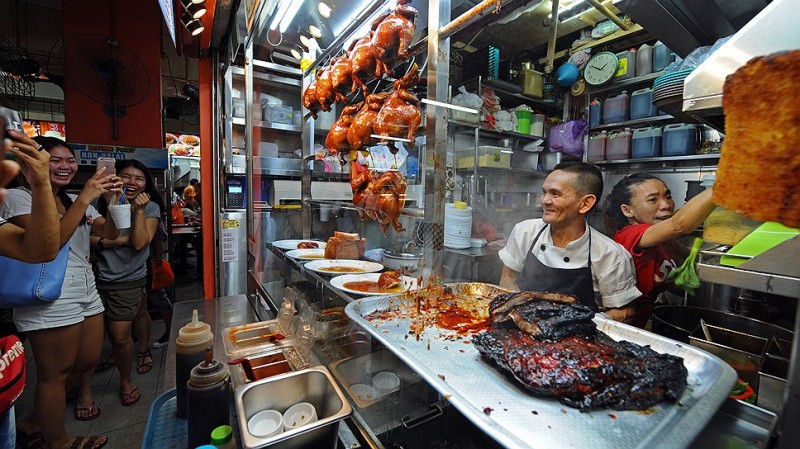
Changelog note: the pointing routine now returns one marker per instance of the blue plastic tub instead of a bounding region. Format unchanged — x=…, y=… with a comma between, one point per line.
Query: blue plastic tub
x=646, y=142
x=680, y=139
x=616, y=108
x=642, y=104
x=164, y=429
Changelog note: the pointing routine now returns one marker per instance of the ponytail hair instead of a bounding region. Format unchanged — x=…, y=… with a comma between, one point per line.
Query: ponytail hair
x=622, y=193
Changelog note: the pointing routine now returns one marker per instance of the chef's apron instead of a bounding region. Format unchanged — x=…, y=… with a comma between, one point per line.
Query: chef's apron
x=536, y=276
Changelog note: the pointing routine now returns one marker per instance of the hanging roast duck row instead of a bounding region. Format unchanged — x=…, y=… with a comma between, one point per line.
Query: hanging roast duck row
x=393, y=114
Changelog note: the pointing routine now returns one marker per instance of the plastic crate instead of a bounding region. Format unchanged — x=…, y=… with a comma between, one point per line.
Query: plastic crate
x=164, y=429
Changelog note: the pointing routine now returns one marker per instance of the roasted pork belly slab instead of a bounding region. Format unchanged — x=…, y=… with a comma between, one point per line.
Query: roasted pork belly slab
x=586, y=372
x=546, y=316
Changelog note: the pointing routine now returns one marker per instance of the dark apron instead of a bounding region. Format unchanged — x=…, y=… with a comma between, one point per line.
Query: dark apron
x=536, y=276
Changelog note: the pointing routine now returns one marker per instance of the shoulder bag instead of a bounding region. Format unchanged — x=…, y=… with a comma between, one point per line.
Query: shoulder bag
x=24, y=284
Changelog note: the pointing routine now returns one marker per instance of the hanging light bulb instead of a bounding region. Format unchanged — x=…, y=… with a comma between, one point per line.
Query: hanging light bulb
x=316, y=32
x=324, y=9
x=296, y=54
x=305, y=41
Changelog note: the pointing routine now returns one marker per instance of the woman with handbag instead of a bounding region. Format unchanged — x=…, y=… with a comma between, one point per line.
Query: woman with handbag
x=36, y=243
x=66, y=335
x=122, y=271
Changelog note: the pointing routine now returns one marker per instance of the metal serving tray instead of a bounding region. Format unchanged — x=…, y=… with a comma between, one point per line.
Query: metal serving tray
x=500, y=406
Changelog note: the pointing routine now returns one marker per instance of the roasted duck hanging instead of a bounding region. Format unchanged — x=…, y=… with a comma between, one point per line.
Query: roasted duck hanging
x=399, y=116
x=336, y=139
x=393, y=34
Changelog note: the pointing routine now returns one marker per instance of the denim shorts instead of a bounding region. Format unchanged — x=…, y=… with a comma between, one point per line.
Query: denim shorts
x=78, y=300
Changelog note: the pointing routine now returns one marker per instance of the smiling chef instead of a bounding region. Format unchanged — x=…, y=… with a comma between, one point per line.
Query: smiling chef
x=561, y=253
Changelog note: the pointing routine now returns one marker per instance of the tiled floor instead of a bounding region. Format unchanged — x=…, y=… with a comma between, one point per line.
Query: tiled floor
x=124, y=426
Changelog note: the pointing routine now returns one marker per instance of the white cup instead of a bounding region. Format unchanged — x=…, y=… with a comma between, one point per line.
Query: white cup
x=265, y=423
x=386, y=382
x=364, y=392
x=299, y=415
x=121, y=213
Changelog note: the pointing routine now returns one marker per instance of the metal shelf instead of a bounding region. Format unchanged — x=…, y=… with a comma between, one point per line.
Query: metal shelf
x=691, y=157
x=471, y=84
x=620, y=85
x=269, y=125
x=632, y=123
x=500, y=134
x=504, y=171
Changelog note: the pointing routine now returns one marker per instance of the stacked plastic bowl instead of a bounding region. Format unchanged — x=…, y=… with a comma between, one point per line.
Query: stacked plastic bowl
x=457, y=225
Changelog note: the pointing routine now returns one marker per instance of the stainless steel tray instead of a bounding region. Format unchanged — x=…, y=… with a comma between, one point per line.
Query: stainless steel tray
x=518, y=419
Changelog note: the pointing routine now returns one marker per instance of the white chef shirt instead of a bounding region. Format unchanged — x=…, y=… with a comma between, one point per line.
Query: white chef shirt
x=613, y=272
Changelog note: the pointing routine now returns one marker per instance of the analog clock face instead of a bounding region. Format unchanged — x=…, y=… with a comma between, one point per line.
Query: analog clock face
x=600, y=68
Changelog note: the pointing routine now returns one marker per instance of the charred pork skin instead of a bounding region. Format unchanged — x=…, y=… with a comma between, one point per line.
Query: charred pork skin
x=501, y=304
x=546, y=320
x=586, y=372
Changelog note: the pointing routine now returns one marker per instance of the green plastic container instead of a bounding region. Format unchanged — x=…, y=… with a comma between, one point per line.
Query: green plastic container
x=523, y=122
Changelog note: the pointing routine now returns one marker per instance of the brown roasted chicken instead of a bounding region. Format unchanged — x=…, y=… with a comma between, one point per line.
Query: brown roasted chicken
x=379, y=197
x=389, y=279
x=361, y=129
x=310, y=101
x=400, y=116
x=364, y=62
x=336, y=140
x=324, y=90
x=393, y=34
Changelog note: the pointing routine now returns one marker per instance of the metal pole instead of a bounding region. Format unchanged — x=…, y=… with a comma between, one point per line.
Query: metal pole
x=551, y=44
x=461, y=22
x=436, y=141
x=608, y=13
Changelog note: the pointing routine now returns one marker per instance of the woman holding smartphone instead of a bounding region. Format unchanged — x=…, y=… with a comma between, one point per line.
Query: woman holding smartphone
x=66, y=335
x=122, y=274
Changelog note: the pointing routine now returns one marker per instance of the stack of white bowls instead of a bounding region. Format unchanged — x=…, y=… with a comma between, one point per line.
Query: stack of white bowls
x=457, y=225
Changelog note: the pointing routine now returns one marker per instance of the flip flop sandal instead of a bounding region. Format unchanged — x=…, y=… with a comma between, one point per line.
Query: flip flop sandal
x=145, y=367
x=92, y=442
x=33, y=440
x=130, y=398
x=93, y=409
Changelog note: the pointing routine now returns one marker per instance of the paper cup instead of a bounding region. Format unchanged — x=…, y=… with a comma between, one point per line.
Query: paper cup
x=299, y=415
x=121, y=213
x=265, y=423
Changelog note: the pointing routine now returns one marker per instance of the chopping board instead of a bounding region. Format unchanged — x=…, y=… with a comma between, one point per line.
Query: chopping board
x=764, y=237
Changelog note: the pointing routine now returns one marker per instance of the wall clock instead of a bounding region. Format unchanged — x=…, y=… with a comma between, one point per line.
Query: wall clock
x=601, y=68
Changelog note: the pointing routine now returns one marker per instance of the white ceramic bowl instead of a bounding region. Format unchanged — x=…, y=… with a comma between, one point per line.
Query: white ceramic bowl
x=266, y=423
x=386, y=382
x=364, y=392
x=299, y=415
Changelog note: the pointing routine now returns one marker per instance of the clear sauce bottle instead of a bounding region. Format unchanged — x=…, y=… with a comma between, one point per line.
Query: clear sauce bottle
x=190, y=348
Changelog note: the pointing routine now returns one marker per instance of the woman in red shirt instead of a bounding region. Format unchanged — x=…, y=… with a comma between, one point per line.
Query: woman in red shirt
x=640, y=214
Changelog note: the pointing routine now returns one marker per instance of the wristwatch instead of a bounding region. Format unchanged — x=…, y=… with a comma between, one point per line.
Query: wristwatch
x=100, y=243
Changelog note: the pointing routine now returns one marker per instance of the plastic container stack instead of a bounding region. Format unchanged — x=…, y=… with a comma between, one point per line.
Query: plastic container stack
x=596, y=150
x=642, y=104
x=616, y=108
x=644, y=60
x=662, y=56
x=646, y=142
x=595, y=113
x=680, y=139
x=619, y=145
x=627, y=65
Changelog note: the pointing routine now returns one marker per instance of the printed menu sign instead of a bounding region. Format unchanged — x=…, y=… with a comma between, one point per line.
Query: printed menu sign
x=183, y=144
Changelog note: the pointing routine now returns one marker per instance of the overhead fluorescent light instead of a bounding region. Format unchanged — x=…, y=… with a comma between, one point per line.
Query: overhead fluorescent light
x=279, y=13
x=290, y=13
x=450, y=106
x=507, y=151
x=396, y=139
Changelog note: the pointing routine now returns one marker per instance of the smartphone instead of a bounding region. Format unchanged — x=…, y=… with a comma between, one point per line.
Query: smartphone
x=109, y=163
x=10, y=120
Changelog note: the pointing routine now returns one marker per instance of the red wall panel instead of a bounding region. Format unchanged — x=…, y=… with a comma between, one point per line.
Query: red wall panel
x=137, y=27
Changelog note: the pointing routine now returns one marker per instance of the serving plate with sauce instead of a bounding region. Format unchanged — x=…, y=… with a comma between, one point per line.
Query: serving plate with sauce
x=292, y=244
x=333, y=267
x=367, y=284
x=306, y=254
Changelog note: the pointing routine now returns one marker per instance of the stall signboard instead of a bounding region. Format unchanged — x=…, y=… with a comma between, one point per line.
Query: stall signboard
x=87, y=154
x=183, y=144
x=35, y=128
